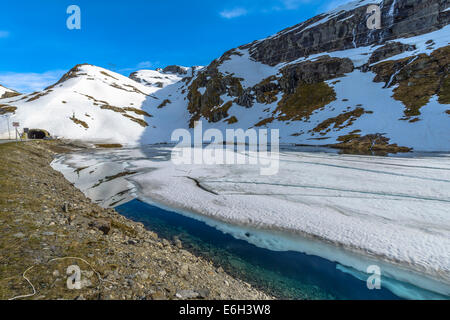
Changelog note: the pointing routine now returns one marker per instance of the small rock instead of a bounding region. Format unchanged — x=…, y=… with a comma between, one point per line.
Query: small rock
x=102, y=225
x=19, y=235
x=184, y=270
x=203, y=293
x=158, y=296
x=86, y=283
x=187, y=294
x=144, y=275
x=178, y=243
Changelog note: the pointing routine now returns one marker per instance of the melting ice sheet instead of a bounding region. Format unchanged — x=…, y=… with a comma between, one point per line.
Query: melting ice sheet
x=355, y=210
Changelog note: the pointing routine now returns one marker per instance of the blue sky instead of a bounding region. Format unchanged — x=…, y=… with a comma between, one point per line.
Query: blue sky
x=37, y=47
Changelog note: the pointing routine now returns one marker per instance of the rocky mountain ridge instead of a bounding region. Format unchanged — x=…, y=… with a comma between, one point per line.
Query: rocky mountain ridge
x=304, y=58
x=7, y=93
x=346, y=28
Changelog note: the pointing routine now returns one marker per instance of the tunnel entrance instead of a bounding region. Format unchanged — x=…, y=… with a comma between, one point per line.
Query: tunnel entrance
x=38, y=134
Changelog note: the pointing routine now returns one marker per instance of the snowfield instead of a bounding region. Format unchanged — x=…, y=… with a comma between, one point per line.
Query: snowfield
x=355, y=210
x=155, y=78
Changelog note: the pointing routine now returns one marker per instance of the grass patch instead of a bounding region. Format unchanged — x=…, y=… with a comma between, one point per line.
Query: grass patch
x=342, y=121
x=141, y=122
x=112, y=108
x=264, y=122
x=39, y=95
x=444, y=92
x=418, y=80
x=304, y=101
x=109, y=146
x=4, y=109
x=368, y=144
x=108, y=75
x=138, y=111
x=232, y=120
x=79, y=122
x=164, y=103
x=10, y=95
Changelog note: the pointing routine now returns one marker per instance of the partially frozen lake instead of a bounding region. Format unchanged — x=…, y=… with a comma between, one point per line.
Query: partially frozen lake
x=357, y=211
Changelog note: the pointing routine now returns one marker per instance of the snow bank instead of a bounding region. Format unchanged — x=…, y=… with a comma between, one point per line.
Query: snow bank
x=355, y=210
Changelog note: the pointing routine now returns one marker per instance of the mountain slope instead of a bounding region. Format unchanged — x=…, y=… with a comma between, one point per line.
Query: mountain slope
x=161, y=78
x=331, y=80
x=89, y=103
x=7, y=93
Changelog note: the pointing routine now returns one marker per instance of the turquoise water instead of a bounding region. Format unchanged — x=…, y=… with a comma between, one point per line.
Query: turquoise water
x=287, y=275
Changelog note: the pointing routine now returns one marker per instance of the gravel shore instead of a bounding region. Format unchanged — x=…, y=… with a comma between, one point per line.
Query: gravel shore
x=47, y=225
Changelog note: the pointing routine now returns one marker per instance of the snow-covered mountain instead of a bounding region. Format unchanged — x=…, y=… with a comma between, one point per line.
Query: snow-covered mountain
x=327, y=81
x=161, y=78
x=331, y=80
x=7, y=93
x=89, y=103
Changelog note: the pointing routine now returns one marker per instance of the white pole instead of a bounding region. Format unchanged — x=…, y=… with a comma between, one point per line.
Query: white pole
x=9, y=131
x=6, y=117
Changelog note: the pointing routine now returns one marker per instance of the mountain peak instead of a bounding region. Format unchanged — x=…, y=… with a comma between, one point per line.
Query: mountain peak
x=345, y=28
x=174, y=69
x=7, y=93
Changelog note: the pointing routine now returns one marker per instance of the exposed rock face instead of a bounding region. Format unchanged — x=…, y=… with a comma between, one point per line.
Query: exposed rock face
x=343, y=30
x=389, y=50
x=311, y=72
x=295, y=83
x=133, y=76
x=209, y=104
x=175, y=70
x=72, y=73
x=336, y=30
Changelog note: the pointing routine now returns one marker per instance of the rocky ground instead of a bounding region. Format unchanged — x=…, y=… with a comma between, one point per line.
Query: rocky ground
x=47, y=226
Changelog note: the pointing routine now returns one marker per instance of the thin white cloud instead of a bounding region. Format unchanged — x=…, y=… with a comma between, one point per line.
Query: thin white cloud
x=233, y=13
x=293, y=4
x=262, y=6
x=139, y=66
x=334, y=4
x=4, y=34
x=145, y=65
x=29, y=82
